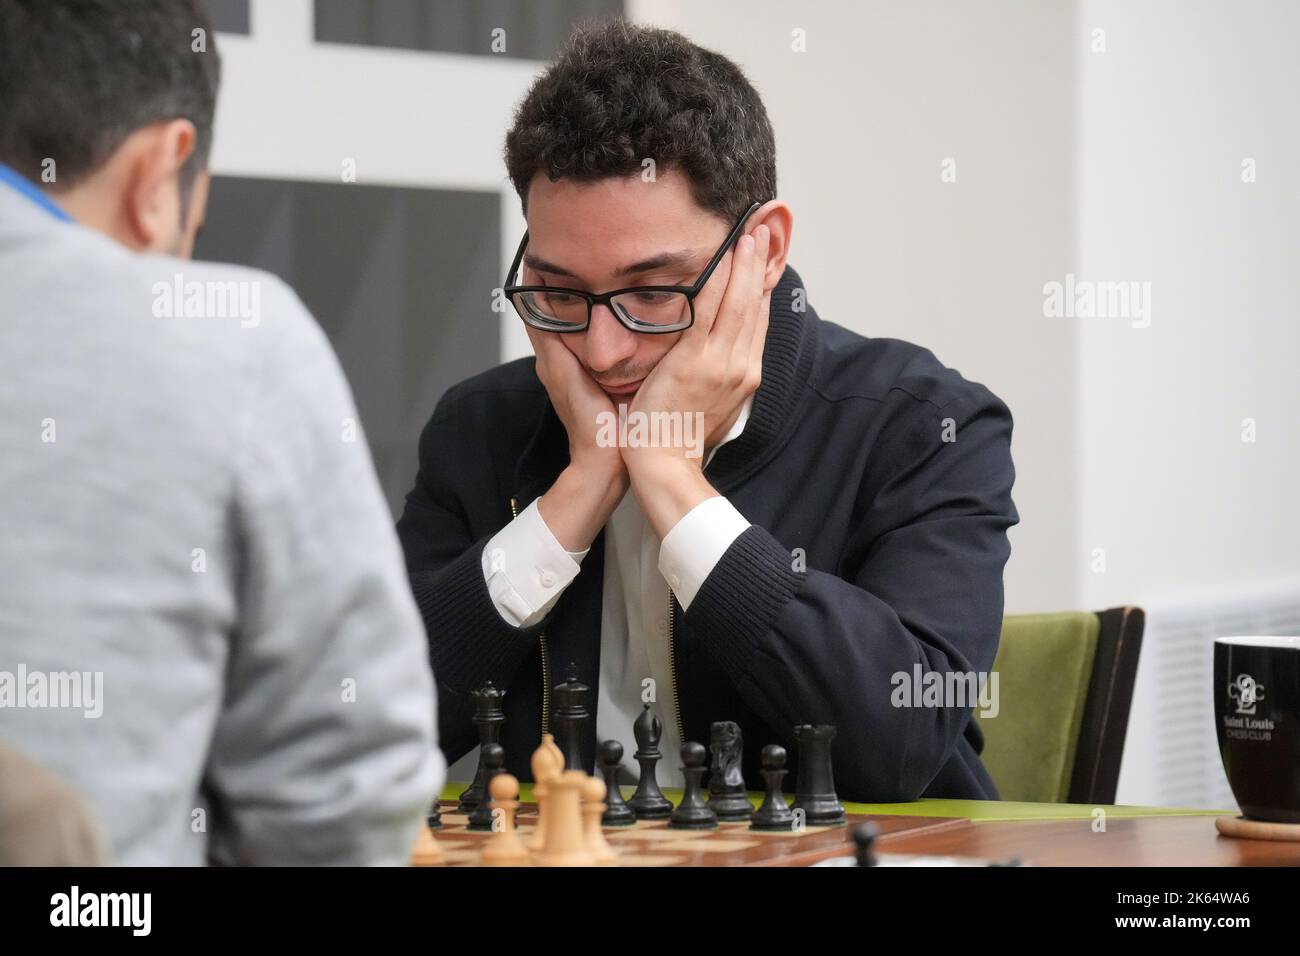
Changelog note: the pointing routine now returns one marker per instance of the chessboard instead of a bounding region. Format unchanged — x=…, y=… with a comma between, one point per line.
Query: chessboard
x=653, y=843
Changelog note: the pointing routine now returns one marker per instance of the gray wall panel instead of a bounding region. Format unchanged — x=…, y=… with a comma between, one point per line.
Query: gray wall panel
x=229, y=16
x=534, y=28
x=401, y=280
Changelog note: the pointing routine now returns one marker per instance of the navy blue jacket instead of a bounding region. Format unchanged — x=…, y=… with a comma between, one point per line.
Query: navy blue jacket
x=878, y=483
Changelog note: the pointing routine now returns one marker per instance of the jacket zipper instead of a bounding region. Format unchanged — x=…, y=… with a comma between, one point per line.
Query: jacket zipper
x=672, y=669
x=546, y=662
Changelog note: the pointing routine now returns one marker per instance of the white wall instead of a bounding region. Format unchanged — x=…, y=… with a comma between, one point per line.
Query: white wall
x=1167, y=114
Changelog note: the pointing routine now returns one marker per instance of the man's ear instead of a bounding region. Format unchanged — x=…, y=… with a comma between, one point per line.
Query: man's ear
x=779, y=220
x=152, y=176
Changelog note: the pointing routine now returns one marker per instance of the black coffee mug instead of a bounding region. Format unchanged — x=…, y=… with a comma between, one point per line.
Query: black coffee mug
x=1257, y=716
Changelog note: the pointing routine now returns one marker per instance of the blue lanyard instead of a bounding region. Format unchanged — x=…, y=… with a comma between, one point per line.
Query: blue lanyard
x=32, y=192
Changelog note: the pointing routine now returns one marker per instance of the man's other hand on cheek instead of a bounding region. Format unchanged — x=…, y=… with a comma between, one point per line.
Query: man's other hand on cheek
x=693, y=396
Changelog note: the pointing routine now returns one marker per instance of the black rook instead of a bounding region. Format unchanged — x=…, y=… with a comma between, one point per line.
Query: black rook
x=815, y=792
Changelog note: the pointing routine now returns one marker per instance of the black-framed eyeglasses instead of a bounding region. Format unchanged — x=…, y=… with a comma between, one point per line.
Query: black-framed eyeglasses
x=652, y=309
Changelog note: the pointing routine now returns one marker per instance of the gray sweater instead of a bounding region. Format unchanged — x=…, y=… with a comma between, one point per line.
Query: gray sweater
x=205, y=624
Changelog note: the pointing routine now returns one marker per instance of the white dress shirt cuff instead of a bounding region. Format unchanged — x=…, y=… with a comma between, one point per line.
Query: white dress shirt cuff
x=526, y=569
x=696, y=543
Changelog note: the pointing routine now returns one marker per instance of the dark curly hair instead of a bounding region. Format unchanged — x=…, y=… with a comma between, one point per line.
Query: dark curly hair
x=620, y=93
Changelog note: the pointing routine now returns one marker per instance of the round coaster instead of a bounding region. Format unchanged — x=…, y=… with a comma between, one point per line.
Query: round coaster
x=1243, y=829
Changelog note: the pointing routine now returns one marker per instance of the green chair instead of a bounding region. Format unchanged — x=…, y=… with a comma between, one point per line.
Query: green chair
x=1065, y=686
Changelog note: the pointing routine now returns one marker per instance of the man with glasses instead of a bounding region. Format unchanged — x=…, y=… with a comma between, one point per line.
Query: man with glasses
x=845, y=525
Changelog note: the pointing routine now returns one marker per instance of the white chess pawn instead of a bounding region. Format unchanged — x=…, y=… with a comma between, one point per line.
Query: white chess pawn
x=593, y=808
x=504, y=848
x=428, y=851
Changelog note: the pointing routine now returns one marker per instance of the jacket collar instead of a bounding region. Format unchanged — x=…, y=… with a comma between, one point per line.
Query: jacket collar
x=788, y=356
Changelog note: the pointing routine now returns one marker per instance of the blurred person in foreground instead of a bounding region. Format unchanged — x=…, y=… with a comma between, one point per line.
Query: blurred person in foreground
x=205, y=628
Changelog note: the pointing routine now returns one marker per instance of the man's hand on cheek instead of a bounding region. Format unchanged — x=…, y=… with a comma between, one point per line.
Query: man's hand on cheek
x=697, y=390
x=580, y=403
x=586, y=493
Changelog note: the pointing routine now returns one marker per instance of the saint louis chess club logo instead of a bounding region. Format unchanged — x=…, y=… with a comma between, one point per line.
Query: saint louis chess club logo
x=1245, y=692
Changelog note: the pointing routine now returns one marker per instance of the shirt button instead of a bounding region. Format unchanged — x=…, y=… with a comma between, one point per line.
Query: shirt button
x=674, y=581
x=548, y=579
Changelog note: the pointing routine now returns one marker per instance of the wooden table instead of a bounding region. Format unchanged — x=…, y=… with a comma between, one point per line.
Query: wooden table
x=1140, y=841
x=1042, y=834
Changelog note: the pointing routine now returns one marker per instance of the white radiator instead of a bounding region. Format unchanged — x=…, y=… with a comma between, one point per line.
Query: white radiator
x=1171, y=756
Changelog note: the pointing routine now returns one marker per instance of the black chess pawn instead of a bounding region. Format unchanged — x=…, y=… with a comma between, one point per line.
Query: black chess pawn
x=571, y=718
x=489, y=718
x=694, y=812
x=493, y=761
x=864, y=838
x=814, y=793
x=617, y=812
x=434, y=820
x=727, y=795
x=774, y=814
x=648, y=802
